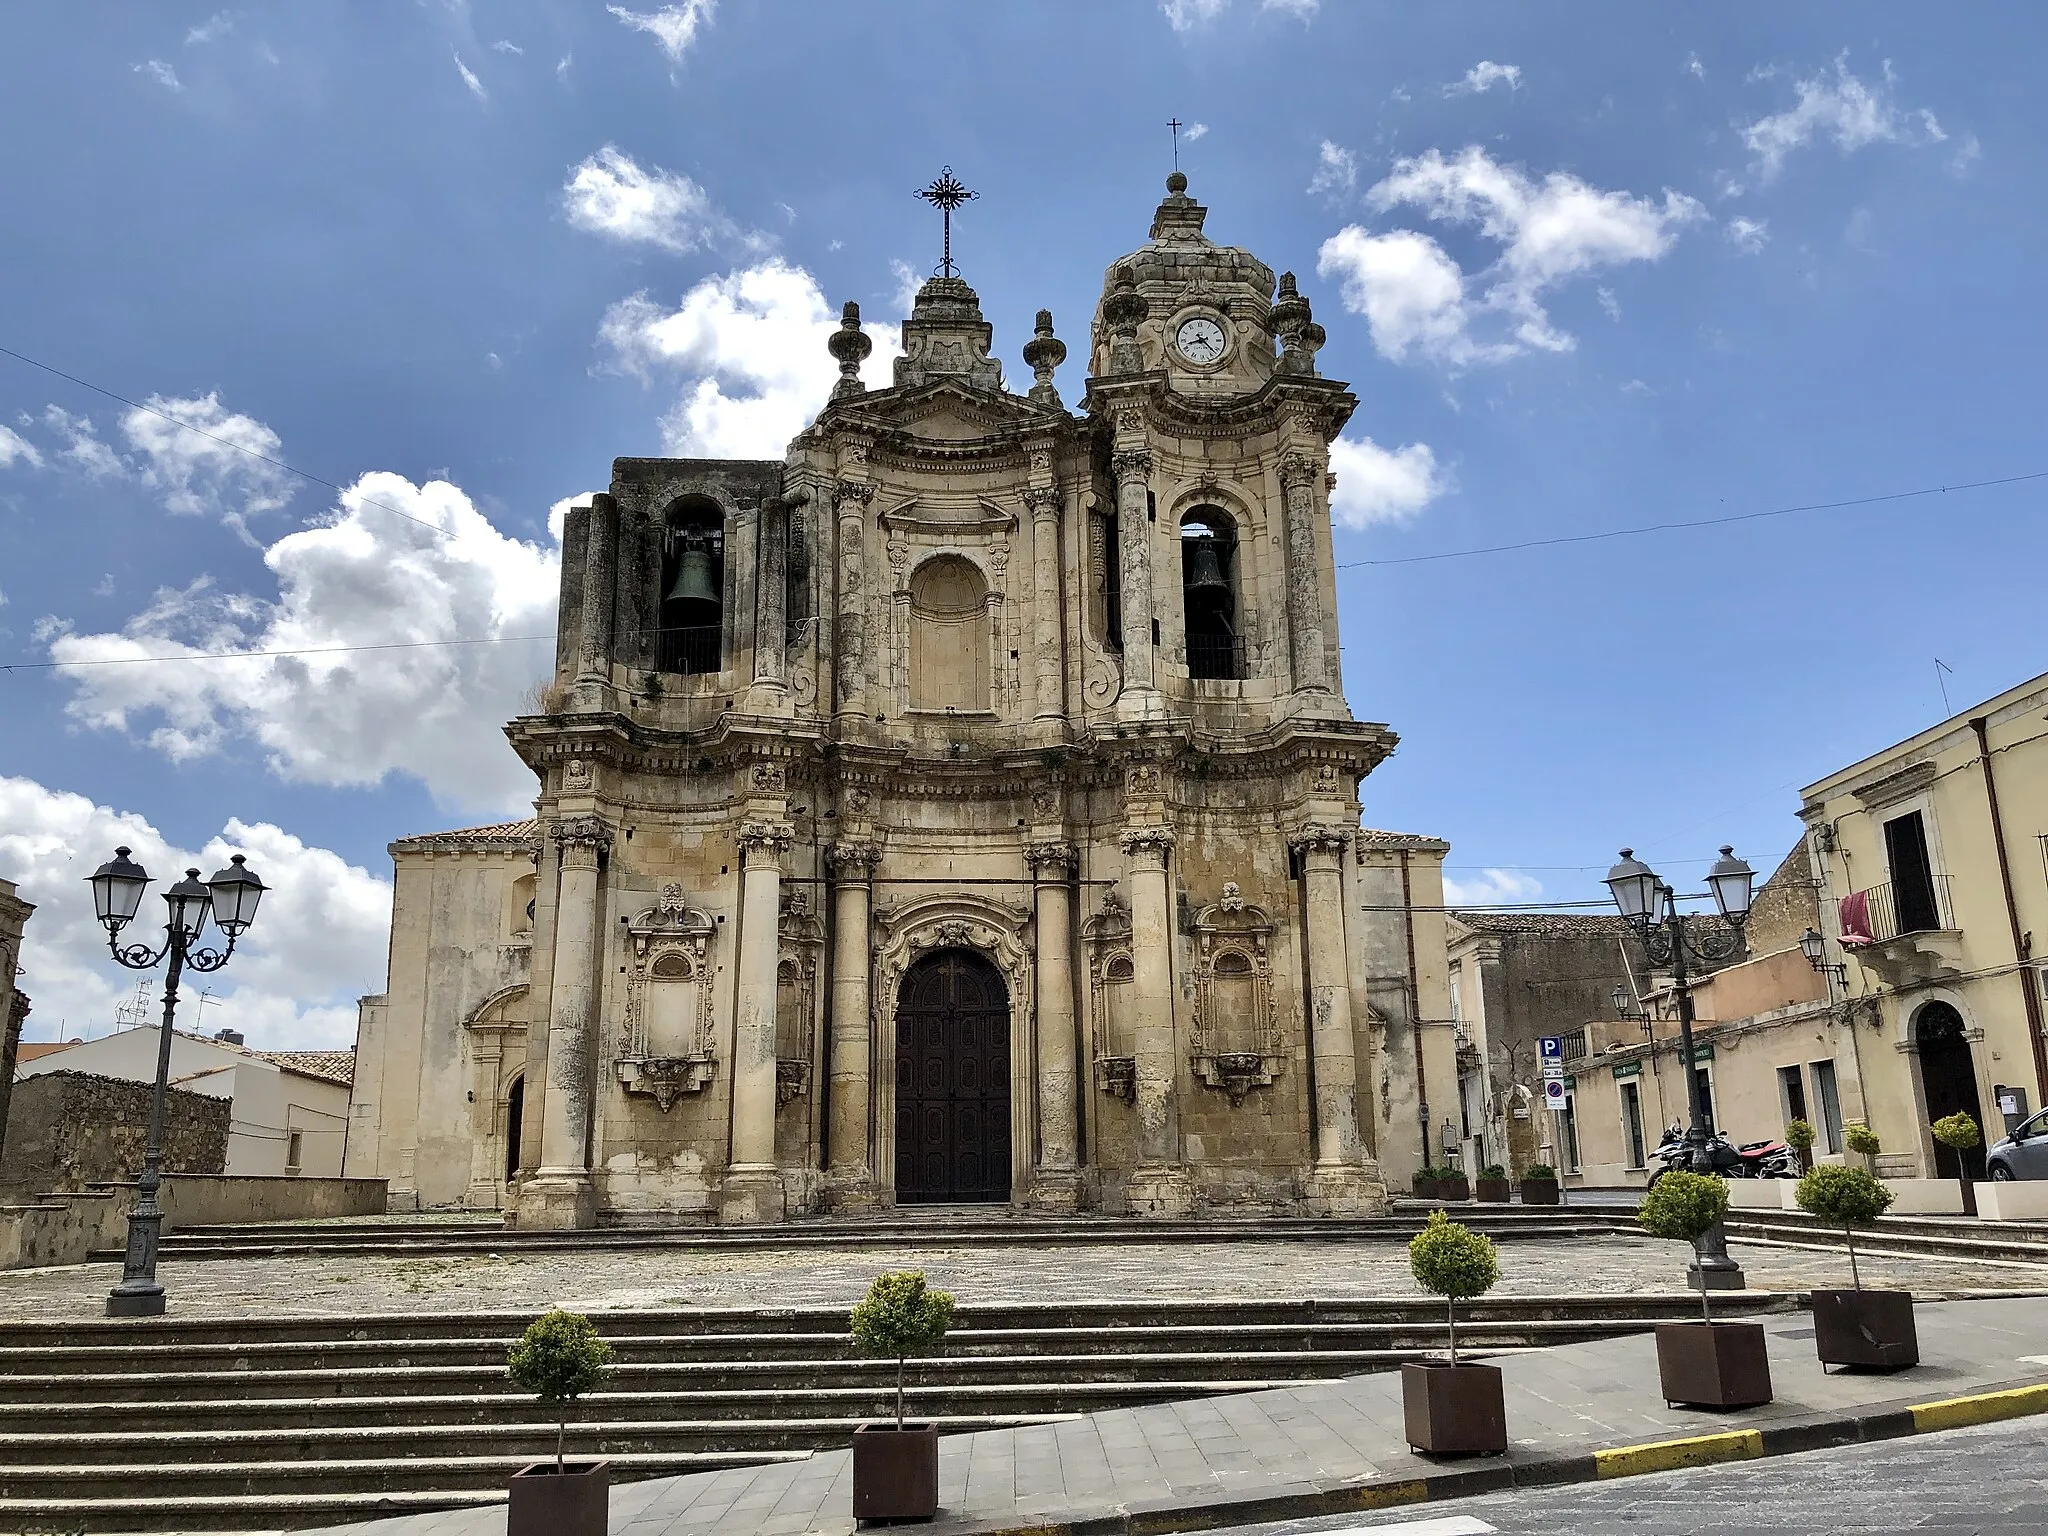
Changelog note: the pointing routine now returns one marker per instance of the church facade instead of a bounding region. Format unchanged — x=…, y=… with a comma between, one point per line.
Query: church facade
x=964, y=808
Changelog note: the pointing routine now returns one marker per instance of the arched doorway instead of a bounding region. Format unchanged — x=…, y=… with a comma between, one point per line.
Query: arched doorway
x=1948, y=1081
x=515, y=1114
x=952, y=1081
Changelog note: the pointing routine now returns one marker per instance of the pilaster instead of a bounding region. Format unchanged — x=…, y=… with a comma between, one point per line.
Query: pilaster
x=849, y=1169
x=1160, y=1185
x=752, y=1191
x=1056, y=1181
x=559, y=1196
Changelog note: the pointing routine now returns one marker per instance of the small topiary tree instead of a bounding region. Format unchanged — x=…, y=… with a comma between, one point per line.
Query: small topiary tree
x=1493, y=1171
x=1957, y=1131
x=1540, y=1171
x=1452, y=1261
x=898, y=1318
x=1862, y=1140
x=1848, y=1198
x=558, y=1359
x=1800, y=1137
x=1685, y=1207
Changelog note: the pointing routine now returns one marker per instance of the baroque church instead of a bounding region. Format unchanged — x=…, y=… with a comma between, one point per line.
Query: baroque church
x=962, y=808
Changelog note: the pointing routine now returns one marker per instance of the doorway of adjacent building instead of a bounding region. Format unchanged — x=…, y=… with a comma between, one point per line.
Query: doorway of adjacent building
x=1948, y=1082
x=515, y=1115
x=952, y=1081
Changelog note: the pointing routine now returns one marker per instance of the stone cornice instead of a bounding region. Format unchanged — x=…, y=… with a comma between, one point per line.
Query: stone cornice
x=1328, y=403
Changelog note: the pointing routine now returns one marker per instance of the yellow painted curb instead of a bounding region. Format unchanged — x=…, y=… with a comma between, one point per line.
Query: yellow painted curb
x=1666, y=1455
x=1983, y=1408
x=1390, y=1495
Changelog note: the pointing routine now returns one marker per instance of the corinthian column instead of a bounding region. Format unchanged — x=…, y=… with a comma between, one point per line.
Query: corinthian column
x=1044, y=501
x=1300, y=477
x=849, y=1176
x=771, y=595
x=1159, y=1185
x=1056, y=1182
x=1132, y=469
x=1341, y=1183
x=850, y=634
x=559, y=1195
x=752, y=1191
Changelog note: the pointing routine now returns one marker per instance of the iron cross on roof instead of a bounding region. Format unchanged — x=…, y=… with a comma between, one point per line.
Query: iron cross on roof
x=946, y=194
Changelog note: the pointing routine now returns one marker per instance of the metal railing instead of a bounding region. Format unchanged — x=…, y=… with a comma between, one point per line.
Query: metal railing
x=1573, y=1042
x=1216, y=656
x=1894, y=908
x=692, y=649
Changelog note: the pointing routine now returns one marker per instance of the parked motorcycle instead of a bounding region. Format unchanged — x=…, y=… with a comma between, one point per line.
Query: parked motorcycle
x=1753, y=1160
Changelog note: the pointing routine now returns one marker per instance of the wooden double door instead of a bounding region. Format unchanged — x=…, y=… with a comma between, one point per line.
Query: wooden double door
x=952, y=1081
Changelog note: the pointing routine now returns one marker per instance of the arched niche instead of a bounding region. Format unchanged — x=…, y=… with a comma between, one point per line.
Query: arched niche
x=1210, y=600
x=665, y=1043
x=690, y=616
x=950, y=639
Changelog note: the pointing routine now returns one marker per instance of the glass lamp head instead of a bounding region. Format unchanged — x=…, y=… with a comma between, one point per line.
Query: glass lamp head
x=1623, y=998
x=117, y=888
x=1731, y=880
x=235, y=891
x=188, y=901
x=1813, y=946
x=1634, y=885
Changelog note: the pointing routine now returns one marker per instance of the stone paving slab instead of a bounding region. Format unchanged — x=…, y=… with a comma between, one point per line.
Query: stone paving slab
x=1266, y=1455
x=983, y=1271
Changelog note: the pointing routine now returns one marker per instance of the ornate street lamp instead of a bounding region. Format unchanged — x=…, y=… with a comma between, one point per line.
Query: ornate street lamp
x=230, y=897
x=1651, y=908
x=1815, y=948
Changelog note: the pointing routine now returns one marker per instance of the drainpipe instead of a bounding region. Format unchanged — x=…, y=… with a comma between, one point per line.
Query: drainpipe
x=2022, y=944
x=1415, y=1011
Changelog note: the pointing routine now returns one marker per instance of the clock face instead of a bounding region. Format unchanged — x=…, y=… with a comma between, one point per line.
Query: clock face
x=1200, y=340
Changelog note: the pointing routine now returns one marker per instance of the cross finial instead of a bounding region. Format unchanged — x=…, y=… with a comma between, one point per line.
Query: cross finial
x=946, y=194
x=1175, y=124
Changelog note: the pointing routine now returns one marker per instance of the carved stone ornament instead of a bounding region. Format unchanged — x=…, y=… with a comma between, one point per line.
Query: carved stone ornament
x=792, y=1080
x=581, y=833
x=1233, y=899
x=1043, y=500
x=1319, y=838
x=1299, y=469
x=1050, y=861
x=856, y=802
x=1142, y=782
x=665, y=1044
x=853, y=860
x=1045, y=805
x=1117, y=1076
x=1130, y=463
x=577, y=775
x=1236, y=1045
x=1041, y=461
x=774, y=837
x=769, y=779
x=1326, y=780
x=1236, y=1073
x=1148, y=840
x=852, y=492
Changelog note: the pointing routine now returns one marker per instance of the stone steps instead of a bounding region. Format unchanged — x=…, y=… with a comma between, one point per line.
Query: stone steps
x=2001, y=1242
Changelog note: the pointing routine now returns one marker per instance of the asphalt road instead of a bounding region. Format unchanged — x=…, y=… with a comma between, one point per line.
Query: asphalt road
x=1957, y=1483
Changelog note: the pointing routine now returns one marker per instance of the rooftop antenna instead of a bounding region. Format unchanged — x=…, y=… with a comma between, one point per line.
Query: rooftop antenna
x=946, y=194
x=1175, y=124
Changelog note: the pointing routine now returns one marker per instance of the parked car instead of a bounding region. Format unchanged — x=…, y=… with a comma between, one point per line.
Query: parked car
x=2023, y=1154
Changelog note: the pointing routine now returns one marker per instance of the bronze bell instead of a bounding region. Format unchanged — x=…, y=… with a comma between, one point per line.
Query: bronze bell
x=693, y=575
x=1205, y=567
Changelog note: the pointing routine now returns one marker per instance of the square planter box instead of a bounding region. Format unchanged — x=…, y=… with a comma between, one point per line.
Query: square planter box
x=1865, y=1328
x=2013, y=1201
x=1428, y=1189
x=1453, y=1189
x=896, y=1472
x=1541, y=1192
x=1925, y=1197
x=1454, y=1410
x=545, y=1502
x=1722, y=1366
x=1495, y=1191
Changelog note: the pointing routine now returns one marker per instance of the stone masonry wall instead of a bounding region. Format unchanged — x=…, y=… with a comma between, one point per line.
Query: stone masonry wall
x=69, y=1129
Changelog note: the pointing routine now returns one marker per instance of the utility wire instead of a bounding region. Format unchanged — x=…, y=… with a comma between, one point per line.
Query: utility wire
x=1703, y=522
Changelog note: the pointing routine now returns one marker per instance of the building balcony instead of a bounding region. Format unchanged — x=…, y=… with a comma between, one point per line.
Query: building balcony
x=1904, y=931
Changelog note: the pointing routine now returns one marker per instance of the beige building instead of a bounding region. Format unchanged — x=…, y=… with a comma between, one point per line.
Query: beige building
x=963, y=807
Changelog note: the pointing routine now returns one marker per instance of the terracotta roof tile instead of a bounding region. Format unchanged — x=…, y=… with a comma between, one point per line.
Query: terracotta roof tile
x=331, y=1066
x=502, y=834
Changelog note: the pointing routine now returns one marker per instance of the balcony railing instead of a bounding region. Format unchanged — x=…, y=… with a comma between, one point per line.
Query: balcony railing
x=1894, y=909
x=692, y=649
x=1215, y=656
x=1574, y=1043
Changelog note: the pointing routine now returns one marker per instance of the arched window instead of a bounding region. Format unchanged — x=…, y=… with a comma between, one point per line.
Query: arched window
x=1208, y=584
x=692, y=615
x=948, y=635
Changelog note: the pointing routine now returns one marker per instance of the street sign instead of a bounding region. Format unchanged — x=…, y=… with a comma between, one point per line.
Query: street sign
x=1553, y=1092
x=1550, y=1051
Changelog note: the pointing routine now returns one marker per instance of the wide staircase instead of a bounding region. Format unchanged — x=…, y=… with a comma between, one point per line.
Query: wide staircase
x=277, y=1423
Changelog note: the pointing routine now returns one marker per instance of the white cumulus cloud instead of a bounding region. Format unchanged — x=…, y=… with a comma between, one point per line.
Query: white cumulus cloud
x=14, y=446
x=207, y=459
x=1748, y=235
x=1195, y=131
x=1837, y=105
x=364, y=578
x=161, y=73
x=1184, y=15
x=611, y=194
x=317, y=944
x=749, y=348
x=1417, y=300
x=1336, y=171
x=1483, y=77
x=1382, y=485
x=674, y=27
x=1491, y=887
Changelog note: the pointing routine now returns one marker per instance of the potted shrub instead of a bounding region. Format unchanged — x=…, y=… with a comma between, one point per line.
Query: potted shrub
x=896, y=1471
x=558, y=1359
x=1862, y=1142
x=1539, y=1185
x=1704, y=1364
x=1857, y=1327
x=1800, y=1136
x=1494, y=1188
x=1451, y=1409
x=1451, y=1185
x=1427, y=1185
x=1958, y=1132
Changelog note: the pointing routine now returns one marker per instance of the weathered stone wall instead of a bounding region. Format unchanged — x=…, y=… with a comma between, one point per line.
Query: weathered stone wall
x=71, y=1129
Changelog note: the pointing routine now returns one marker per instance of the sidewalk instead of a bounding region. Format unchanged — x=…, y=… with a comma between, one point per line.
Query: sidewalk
x=1332, y=1447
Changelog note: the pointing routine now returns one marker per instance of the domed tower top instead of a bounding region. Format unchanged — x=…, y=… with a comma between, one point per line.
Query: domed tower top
x=1187, y=306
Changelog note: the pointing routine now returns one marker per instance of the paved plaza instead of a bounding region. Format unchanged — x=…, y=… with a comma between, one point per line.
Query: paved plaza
x=599, y=1280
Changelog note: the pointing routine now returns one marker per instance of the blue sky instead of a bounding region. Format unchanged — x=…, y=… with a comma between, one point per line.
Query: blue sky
x=1586, y=270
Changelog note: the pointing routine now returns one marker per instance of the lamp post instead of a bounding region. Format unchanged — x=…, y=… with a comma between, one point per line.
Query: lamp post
x=1813, y=946
x=231, y=896
x=1651, y=908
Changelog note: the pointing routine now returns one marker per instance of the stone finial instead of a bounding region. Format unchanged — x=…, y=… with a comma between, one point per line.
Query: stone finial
x=1177, y=183
x=1178, y=218
x=1123, y=309
x=1293, y=322
x=851, y=345
x=1042, y=354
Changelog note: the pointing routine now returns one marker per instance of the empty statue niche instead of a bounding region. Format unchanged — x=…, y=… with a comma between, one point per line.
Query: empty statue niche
x=692, y=621
x=949, y=636
x=1208, y=580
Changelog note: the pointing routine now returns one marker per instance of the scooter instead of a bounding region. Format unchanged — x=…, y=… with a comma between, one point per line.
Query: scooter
x=1755, y=1160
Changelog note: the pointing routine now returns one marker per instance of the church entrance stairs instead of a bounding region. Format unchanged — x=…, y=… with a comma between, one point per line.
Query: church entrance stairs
x=270, y=1423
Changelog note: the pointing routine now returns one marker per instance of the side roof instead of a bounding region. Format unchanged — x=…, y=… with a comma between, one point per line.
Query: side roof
x=498, y=837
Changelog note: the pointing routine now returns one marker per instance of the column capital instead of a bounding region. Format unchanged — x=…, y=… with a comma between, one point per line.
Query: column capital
x=1130, y=463
x=1050, y=861
x=860, y=492
x=1157, y=840
x=1299, y=469
x=1043, y=500
x=852, y=859
x=769, y=837
x=1317, y=837
x=580, y=838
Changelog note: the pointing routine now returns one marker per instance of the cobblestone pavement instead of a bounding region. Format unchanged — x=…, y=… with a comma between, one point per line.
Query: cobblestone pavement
x=325, y=1285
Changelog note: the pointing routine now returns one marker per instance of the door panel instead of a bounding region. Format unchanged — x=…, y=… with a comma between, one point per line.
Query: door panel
x=952, y=1081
